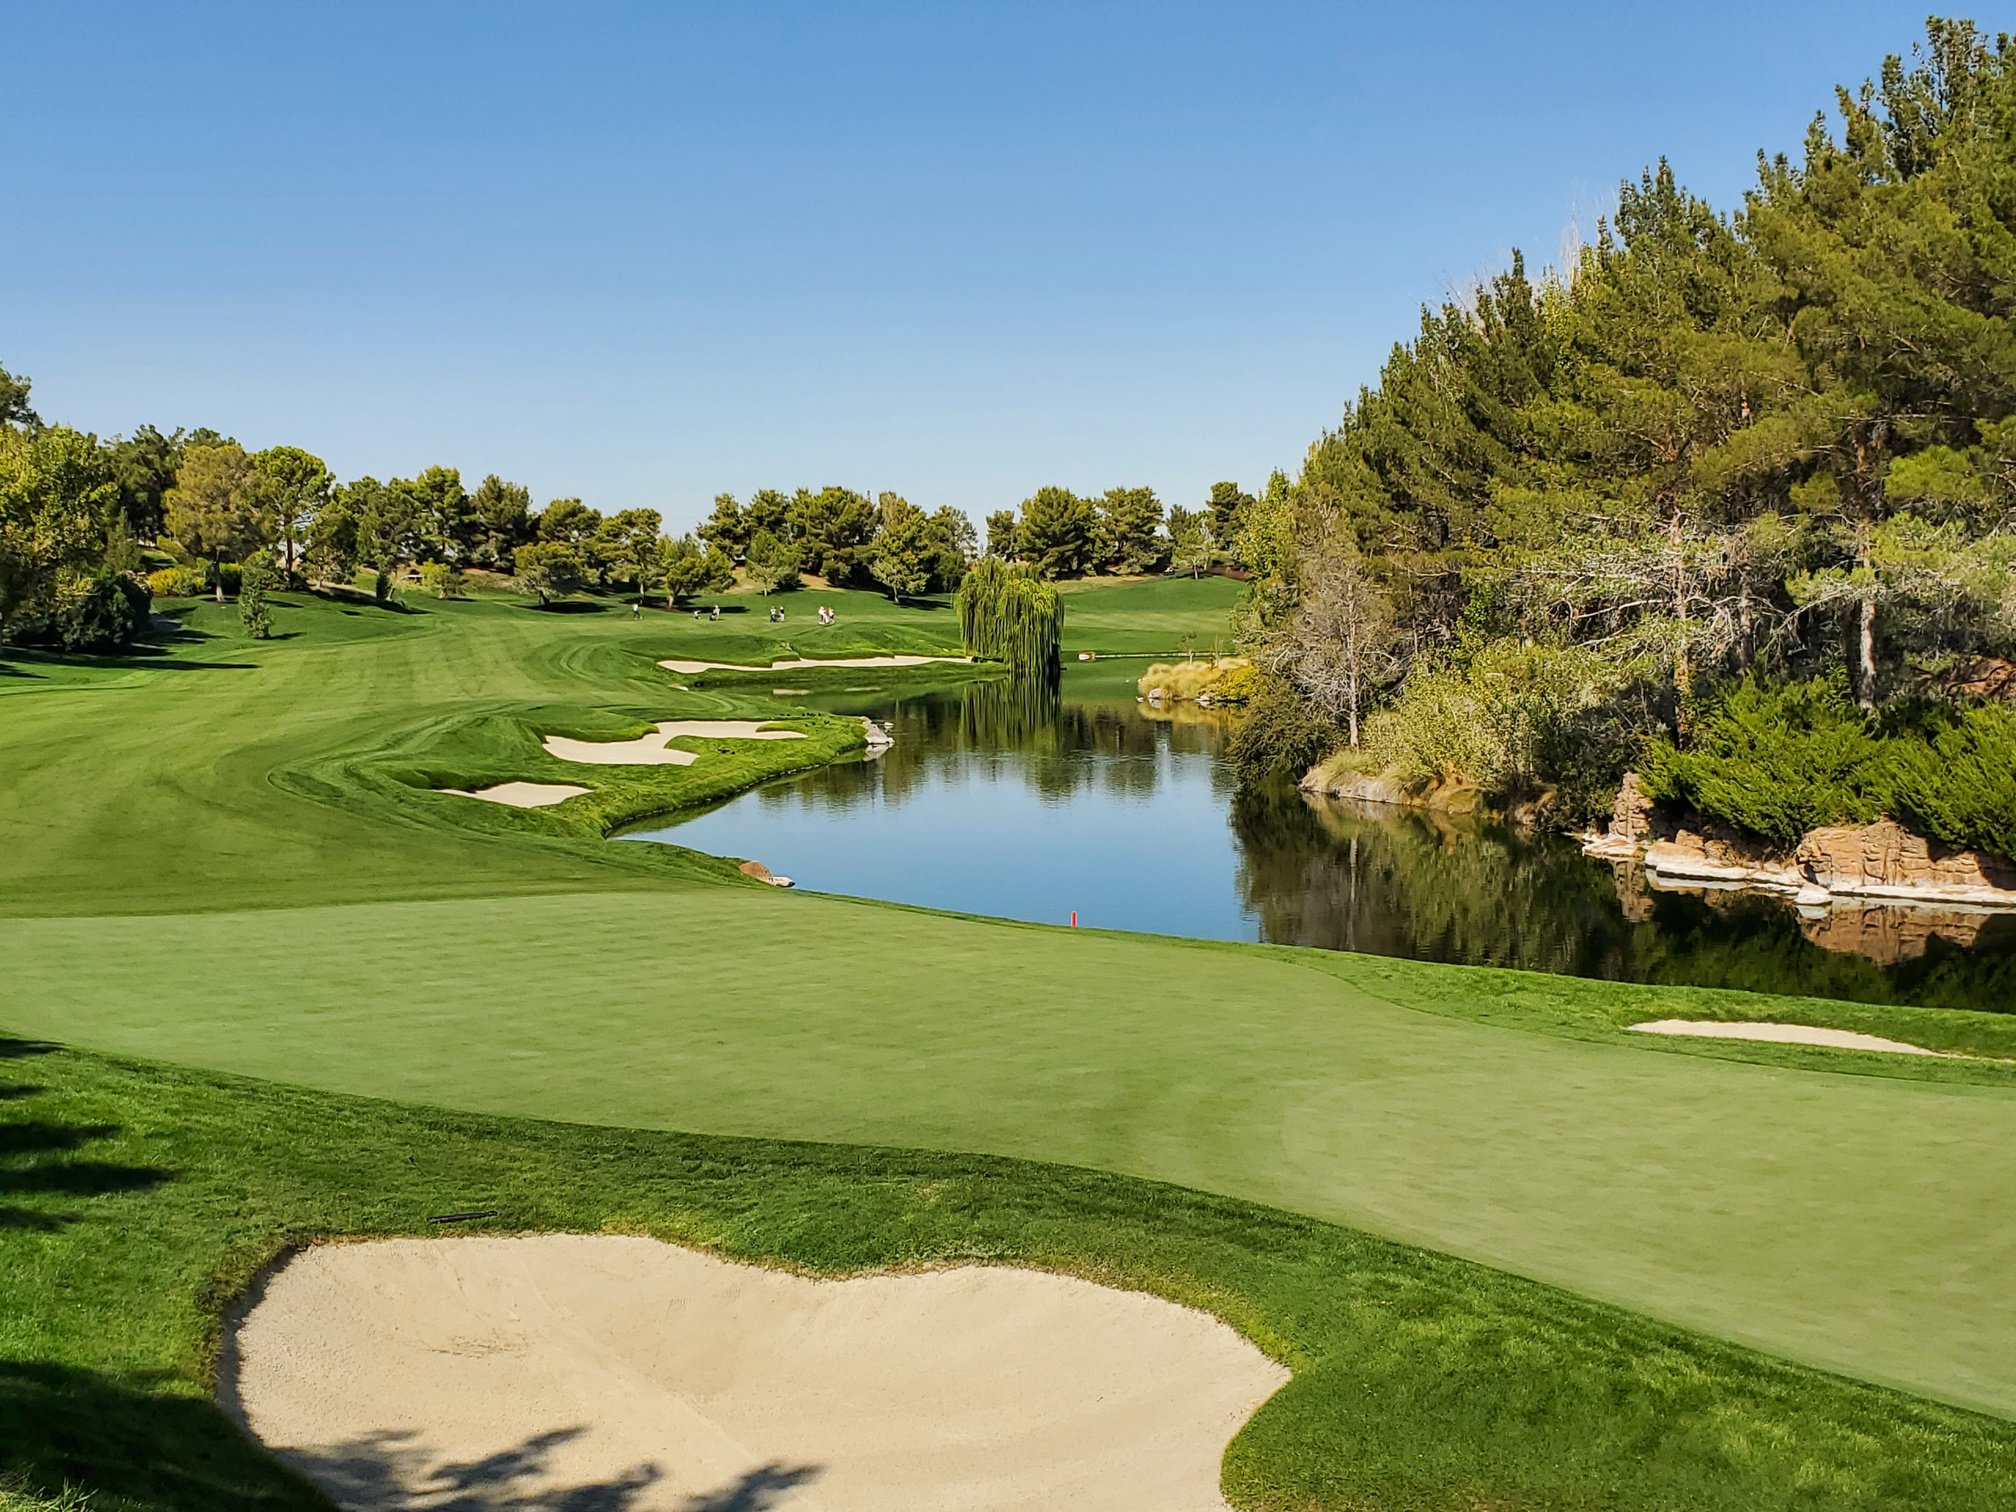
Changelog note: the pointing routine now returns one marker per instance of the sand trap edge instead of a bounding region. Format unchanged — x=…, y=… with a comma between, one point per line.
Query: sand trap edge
x=1754, y=1032
x=521, y=795
x=804, y=664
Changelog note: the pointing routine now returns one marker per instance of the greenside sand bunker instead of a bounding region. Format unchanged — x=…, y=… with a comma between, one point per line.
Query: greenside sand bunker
x=1780, y=1034
x=521, y=794
x=576, y=1365
x=689, y=667
x=653, y=749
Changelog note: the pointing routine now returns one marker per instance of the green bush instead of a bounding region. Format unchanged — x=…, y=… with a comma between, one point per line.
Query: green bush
x=253, y=580
x=1777, y=760
x=228, y=575
x=109, y=615
x=1514, y=720
x=1957, y=780
x=1281, y=731
x=1237, y=686
x=175, y=582
x=99, y=611
x=441, y=580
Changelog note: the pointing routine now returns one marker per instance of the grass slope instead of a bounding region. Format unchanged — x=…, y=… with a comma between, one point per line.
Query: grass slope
x=153, y=1195
x=293, y=906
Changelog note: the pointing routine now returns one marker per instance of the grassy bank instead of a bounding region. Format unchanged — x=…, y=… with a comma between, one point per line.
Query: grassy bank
x=153, y=1195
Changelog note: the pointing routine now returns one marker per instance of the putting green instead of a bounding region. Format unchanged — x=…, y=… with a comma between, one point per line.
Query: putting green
x=507, y=964
x=1855, y=1222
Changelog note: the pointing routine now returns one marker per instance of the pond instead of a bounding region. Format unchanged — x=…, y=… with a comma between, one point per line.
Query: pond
x=998, y=800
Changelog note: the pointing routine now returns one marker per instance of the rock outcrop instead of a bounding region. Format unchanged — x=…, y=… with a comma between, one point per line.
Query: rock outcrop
x=1631, y=821
x=1881, y=860
x=1442, y=797
x=1886, y=860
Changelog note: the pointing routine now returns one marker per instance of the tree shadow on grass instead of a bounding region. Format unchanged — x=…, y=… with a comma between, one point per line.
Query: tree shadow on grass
x=143, y=1443
x=39, y=1158
x=151, y=655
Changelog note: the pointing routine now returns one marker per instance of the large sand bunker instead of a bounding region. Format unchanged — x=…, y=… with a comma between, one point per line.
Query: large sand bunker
x=1781, y=1034
x=619, y=1372
x=521, y=794
x=792, y=666
x=652, y=750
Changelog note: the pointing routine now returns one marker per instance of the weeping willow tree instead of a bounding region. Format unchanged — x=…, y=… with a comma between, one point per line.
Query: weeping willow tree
x=1010, y=614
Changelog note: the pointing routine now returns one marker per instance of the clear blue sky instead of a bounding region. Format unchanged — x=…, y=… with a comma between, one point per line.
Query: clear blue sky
x=646, y=253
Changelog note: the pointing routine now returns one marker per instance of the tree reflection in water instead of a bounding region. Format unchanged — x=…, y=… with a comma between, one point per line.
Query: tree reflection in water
x=1007, y=798
x=1409, y=882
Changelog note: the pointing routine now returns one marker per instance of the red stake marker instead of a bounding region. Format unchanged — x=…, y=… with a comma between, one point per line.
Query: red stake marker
x=1074, y=918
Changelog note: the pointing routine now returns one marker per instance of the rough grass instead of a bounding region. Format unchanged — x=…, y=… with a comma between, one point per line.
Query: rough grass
x=153, y=1195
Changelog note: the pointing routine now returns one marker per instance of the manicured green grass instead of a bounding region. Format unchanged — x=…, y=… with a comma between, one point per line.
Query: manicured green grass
x=226, y=856
x=1760, y=1203
x=152, y=1195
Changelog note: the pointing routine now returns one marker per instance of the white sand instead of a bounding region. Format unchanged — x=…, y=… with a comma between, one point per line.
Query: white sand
x=792, y=666
x=598, y=1365
x=521, y=794
x=651, y=750
x=1782, y=1034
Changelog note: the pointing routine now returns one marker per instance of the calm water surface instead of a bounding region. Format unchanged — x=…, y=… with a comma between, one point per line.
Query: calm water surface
x=997, y=801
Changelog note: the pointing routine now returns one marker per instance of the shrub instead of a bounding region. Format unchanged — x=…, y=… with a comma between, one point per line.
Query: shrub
x=441, y=580
x=1514, y=720
x=96, y=611
x=1193, y=679
x=225, y=575
x=1281, y=731
x=1957, y=781
x=175, y=582
x=252, y=611
x=1238, y=685
x=1777, y=760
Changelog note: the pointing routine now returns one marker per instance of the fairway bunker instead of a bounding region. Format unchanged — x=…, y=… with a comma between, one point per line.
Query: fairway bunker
x=521, y=794
x=652, y=750
x=804, y=665
x=1781, y=1034
x=572, y=1365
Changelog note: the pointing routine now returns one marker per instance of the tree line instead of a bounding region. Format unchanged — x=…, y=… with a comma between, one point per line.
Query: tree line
x=1765, y=446
x=83, y=519
x=1123, y=531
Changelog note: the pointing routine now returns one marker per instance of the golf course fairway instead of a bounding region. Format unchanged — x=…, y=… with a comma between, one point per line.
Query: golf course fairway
x=228, y=857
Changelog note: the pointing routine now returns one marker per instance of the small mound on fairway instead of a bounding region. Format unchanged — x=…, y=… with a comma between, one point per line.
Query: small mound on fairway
x=651, y=750
x=792, y=666
x=1781, y=1034
x=521, y=794
x=578, y=1365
